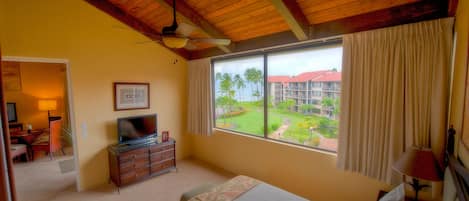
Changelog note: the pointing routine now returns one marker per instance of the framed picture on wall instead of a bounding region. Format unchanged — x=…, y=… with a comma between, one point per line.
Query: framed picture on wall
x=11, y=76
x=131, y=95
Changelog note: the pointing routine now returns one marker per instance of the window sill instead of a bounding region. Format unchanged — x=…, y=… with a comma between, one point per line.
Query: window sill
x=296, y=146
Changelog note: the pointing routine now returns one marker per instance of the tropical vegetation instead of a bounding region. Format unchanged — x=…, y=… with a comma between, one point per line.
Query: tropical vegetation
x=246, y=114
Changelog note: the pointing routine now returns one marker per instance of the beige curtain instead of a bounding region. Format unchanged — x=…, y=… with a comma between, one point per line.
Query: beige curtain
x=200, y=117
x=394, y=95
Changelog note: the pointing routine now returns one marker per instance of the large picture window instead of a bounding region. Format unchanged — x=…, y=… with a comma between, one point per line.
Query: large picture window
x=301, y=88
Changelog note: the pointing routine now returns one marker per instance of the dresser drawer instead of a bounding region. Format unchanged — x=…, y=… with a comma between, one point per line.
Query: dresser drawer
x=158, y=156
x=161, y=148
x=132, y=155
x=134, y=175
x=157, y=167
x=136, y=164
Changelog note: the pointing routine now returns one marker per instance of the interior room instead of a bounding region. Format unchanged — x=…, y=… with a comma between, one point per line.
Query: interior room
x=38, y=121
x=252, y=100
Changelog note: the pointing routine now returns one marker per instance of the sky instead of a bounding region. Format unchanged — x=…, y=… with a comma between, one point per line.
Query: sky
x=289, y=63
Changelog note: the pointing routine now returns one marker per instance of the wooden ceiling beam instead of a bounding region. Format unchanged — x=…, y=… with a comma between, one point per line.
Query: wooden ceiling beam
x=293, y=15
x=404, y=14
x=132, y=22
x=189, y=15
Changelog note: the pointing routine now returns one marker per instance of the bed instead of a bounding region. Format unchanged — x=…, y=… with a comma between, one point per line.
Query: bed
x=240, y=188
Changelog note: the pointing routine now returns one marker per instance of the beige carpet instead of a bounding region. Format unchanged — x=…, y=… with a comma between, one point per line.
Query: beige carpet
x=167, y=187
x=42, y=179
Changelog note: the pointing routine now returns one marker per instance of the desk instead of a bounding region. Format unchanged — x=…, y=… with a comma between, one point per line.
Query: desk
x=26, y=138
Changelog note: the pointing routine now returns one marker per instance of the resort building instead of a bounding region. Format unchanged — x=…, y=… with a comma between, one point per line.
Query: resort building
x=308, y=88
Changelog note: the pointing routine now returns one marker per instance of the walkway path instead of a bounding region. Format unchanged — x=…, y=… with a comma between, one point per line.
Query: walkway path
x=278, y=134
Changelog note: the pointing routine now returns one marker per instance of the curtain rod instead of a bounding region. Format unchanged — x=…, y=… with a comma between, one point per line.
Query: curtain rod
x=299, y=44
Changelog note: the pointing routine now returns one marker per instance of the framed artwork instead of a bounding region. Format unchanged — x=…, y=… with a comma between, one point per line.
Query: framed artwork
x=11, y=76
x=130, y=96
x=165, y=136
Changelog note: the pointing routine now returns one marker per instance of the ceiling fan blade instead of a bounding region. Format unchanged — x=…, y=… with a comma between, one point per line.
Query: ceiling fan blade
x=185, y=29
x=191, y=46
x=214, y=41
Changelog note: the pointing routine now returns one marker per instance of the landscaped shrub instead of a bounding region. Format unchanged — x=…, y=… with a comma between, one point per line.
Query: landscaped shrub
x=315, y=141
x=224, y=125
x=274, y=126
x=328, y=128
x=316, y=111
x=234, y=113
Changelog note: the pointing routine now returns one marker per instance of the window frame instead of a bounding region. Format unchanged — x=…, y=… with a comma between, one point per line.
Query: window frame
x=265, y=53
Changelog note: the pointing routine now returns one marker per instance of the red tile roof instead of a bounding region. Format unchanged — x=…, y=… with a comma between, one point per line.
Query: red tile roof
x=329, y=77
x=279, y=78
x=303, y=77
x=319, y=76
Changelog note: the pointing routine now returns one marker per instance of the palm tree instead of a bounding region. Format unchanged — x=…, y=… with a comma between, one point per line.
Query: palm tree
x=239, y=83
x=218, y=76
x=256, y=77
x=226, y=93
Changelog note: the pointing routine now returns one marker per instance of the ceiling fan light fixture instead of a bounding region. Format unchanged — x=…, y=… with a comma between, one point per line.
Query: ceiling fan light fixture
x=174, y=42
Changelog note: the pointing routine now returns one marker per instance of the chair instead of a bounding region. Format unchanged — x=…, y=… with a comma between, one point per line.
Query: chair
x=50, y=142
x=18, y=150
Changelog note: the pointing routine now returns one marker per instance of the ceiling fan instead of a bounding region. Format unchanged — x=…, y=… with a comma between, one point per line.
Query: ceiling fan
x=177, y=35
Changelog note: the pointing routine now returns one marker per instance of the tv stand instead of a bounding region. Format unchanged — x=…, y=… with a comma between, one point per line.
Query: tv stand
x=131, y=163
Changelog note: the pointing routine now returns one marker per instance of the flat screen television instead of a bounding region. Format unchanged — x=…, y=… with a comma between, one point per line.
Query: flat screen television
x=11, y=112
x=136, y=129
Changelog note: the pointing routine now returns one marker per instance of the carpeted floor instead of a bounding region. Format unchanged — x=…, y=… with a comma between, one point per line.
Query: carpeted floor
x=42, y=179
x=45, y=182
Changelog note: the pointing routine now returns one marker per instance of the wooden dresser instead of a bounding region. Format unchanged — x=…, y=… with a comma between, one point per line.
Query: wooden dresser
x=135, y=163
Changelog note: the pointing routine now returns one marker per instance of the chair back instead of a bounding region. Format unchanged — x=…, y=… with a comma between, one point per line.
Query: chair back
x=55, y=141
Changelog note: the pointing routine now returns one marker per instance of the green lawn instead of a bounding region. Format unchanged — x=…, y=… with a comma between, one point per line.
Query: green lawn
x=251, y=122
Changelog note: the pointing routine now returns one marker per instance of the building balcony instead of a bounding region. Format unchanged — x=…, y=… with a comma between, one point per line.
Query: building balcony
x=333, y=89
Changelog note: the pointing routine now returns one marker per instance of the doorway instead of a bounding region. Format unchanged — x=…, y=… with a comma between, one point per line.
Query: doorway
x=39, y=110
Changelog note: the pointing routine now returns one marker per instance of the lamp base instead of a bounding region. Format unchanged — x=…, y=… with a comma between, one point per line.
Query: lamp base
x=417, y=187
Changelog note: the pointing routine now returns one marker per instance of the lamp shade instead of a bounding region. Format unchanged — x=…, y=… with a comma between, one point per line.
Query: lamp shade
x=420, y=164
x=174, y=42
x=47, y=105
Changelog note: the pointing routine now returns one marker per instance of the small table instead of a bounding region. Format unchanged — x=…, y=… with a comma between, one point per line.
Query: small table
x=25, y=137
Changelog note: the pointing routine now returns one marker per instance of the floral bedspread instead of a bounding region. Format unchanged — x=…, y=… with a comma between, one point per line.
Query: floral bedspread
x=229, y=190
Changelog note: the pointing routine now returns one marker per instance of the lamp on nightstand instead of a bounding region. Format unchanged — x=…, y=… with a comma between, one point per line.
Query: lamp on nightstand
x=418, y=163
x=47, y=105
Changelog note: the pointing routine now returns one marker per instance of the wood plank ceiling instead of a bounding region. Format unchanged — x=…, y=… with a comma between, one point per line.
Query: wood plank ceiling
x=253, y=24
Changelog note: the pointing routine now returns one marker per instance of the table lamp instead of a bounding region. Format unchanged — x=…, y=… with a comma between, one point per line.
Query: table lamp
x=47, y=105
x=418, y=163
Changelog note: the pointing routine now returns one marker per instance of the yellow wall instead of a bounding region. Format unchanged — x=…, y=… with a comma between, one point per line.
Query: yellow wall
x=38, y=81
x=309, y=173
x=99, y=55
x=460, y=71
